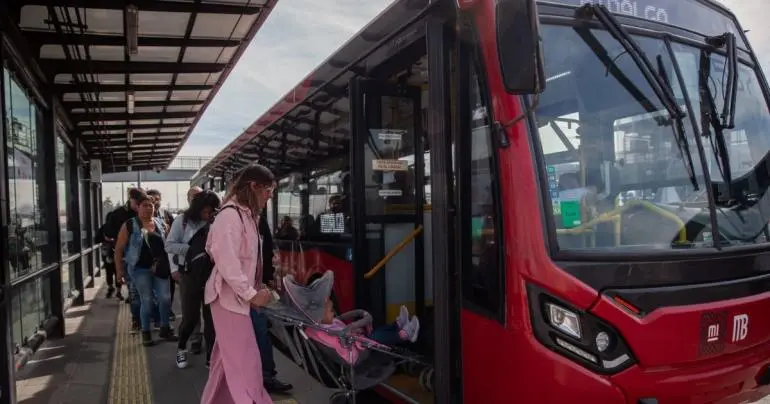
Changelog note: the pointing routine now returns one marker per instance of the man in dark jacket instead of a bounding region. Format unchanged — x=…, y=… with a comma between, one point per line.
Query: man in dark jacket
x=259, y=319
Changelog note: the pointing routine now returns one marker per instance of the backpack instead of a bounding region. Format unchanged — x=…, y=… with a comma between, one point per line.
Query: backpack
x=197, y=259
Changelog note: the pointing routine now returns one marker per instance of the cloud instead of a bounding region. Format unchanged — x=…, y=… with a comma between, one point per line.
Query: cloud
x=297, y=36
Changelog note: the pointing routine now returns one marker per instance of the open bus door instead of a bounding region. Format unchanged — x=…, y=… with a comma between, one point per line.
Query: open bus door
x=388, y=215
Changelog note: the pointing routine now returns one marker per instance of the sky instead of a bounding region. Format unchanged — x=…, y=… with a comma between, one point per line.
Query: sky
x=300, y=34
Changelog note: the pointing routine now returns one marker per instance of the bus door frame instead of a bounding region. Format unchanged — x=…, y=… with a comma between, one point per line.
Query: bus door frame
x=365, y=97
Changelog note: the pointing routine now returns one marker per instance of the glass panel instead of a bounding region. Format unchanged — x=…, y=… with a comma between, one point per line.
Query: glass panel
x=30, y=309
x=85, y=200
x=481, y=284
x=16, y=319
x=617, y=174
x=67, y=279
x=64, y=187
x=28, y=236
x=389, y=151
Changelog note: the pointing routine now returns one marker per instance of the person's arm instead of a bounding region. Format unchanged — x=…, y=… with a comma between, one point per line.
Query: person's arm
x=223, y=243
x=175, y=245
x=120, y=248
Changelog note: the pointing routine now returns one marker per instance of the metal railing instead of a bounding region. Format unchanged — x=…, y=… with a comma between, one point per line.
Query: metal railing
x=188, y=163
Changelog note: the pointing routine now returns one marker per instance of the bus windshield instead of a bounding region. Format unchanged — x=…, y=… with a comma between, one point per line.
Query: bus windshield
x=619, y=174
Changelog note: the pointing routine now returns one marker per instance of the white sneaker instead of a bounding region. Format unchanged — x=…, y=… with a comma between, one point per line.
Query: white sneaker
x=403, y=317
x=412, y=329
x=181, y=358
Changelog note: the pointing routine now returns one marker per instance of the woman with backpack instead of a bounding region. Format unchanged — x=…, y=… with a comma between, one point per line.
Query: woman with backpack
x=140, y=250
x=234, y=287
x=191, y=279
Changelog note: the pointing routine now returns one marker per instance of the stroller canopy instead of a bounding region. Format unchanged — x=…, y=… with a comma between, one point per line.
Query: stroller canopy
x=309, y=300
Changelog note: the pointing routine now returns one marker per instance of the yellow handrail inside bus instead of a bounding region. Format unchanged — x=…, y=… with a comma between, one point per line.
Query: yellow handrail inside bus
x=392, y=253
x=614, y=215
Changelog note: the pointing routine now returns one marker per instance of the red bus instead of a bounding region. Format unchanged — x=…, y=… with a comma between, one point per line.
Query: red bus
x=572, y=195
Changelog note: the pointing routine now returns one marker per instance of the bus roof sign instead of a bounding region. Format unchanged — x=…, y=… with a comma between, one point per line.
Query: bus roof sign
x=693, y=15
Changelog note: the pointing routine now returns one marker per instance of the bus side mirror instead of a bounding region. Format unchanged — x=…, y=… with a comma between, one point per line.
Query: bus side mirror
x=519, y=46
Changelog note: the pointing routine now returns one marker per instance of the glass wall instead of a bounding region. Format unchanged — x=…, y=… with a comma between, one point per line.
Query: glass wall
x=66, y=222
x=28, y=239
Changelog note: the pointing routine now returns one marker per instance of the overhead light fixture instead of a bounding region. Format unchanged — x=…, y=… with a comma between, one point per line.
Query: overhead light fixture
x=130, y=101
x=130, y=136
x=129, y=155
x=132, y=29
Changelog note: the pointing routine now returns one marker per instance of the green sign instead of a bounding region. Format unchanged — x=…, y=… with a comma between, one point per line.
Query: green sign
x=570, y=214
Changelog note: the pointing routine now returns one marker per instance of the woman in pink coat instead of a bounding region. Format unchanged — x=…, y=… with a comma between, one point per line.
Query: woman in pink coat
x=235, y=285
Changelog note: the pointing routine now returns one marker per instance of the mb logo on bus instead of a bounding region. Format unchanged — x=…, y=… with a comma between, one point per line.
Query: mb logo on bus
x=740, y=327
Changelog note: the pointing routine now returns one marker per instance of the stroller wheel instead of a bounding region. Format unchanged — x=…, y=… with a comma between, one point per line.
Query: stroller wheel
x=339, y=397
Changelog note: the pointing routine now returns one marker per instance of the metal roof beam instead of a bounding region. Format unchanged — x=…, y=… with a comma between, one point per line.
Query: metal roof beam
x=116, y=143
x=119, y=88
x=122, y=116
x=155, y=5
x=122, y=104
x=59, y=66
x=43, y=38
x=91, y=127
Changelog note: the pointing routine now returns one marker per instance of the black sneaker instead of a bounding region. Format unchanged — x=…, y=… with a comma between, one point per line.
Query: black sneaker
x=110, y=292
x=181, y=358
x=135, y=328
x=147, y=338
x=274, y=385
x=166, y=333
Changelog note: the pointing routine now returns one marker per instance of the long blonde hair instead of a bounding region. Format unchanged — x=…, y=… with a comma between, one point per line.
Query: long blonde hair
x=241, y=190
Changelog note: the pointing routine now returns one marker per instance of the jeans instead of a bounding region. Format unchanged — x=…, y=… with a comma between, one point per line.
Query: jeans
x=136, y=303
x=387, y=335
x=261, y=329
x=151, y=290
x=191, y=286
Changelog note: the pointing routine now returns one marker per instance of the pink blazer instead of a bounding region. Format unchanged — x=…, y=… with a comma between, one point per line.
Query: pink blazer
x=235, y=246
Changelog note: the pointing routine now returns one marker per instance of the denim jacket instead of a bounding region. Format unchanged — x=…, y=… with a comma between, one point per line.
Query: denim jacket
x=135, y=240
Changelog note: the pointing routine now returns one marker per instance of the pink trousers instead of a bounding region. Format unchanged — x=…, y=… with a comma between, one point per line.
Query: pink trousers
x=235, y=376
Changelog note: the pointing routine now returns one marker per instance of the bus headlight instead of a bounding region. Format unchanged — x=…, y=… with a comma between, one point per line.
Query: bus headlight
x=576, y=334
x=564, y=320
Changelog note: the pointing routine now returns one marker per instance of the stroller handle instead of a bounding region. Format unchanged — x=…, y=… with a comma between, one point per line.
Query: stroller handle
x=364, y=319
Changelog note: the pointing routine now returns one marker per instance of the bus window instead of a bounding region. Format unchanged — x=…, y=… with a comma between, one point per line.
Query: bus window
x=482, y=276
x=330, y=203
x=289, y=203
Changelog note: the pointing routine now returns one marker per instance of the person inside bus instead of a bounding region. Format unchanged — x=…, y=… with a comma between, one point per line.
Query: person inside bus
x=287, y=231
x=234, y=287
x=140, y=251
x=201, y=210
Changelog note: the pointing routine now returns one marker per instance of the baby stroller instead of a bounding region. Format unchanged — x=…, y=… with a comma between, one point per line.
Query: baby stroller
x=343, y=357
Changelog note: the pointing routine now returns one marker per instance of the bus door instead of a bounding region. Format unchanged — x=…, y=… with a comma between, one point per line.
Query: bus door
x=388, y=175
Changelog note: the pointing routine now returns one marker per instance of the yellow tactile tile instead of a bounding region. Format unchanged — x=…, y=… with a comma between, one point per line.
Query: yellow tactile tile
x=130, y=382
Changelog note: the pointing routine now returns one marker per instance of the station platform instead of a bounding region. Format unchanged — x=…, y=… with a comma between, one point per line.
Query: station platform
x=99, y=362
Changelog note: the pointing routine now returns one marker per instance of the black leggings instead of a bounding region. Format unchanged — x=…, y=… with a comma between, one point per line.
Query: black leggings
x=172, y=286
x=192, y=286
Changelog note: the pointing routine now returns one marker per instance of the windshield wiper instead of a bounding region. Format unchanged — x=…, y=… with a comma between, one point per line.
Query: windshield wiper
x=658, y=81
x=710, y=118
x=727, y=40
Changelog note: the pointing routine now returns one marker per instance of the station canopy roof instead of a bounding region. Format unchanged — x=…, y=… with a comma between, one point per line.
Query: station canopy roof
x=136, y=75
